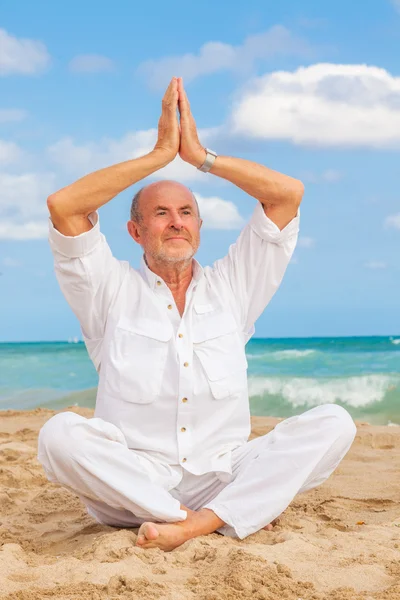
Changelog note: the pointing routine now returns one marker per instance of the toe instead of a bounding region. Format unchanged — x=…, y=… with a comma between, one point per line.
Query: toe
x=150, y=531
x=146, y=533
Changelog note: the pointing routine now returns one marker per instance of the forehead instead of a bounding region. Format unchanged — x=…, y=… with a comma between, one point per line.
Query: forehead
x=168, y=196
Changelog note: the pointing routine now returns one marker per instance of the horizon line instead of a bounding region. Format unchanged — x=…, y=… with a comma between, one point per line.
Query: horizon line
x=80, y=341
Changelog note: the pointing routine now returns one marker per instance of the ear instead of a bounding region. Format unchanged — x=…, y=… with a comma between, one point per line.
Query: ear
x=133, y=231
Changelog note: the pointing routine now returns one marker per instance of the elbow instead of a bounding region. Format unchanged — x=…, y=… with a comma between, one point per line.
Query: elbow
x=51, y=201
x=298, y=192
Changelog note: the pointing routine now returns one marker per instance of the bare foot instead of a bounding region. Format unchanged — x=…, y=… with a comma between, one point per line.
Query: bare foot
x=168, y=536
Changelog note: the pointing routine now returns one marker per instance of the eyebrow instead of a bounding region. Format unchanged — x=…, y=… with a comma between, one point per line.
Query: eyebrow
x=159, y=207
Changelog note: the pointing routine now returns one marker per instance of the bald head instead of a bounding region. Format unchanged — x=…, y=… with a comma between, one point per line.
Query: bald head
x=165, y=221
x=160, y=190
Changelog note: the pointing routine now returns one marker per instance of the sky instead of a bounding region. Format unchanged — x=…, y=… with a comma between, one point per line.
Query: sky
x=309, y=89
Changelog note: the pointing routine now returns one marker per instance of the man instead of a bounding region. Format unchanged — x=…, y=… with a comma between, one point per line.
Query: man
x=167, y=449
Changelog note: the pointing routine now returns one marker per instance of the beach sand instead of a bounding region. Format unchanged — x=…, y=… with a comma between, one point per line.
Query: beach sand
x=338, y=542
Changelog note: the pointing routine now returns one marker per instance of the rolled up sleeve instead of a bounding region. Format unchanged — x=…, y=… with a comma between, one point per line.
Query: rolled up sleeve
x=269, y=231
x=75, y=246
x=255, y=265
x=89, y=277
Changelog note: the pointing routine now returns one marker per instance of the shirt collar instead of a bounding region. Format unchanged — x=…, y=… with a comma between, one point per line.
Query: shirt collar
x=152, y=278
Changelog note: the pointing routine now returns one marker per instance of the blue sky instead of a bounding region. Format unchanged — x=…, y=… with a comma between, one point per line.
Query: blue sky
x=310, y=89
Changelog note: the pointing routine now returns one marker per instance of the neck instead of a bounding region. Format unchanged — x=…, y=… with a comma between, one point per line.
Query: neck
x=177, y=275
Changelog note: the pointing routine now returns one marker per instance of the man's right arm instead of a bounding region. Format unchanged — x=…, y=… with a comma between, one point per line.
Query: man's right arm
x=70, y=207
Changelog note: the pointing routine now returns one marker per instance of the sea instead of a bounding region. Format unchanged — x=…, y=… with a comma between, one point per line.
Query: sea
x=285, y=376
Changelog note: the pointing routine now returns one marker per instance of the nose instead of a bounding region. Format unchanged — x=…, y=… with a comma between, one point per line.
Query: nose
x=176, y=221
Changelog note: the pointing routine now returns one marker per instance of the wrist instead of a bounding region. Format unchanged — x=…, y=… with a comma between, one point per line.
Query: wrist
x=200, y=158
x=163, y=157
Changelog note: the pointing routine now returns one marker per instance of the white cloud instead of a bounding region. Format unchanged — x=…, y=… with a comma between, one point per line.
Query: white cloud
x=91, y=156
x=33, y=230
x=22, y=56
x=375, y=265
x=9, y=153
x=306, y=242
x=88, y=157
x=322, y=105
x=216, y=56
x=11, y=262
x=8, y=115
x=218, y=213
x=393, y=221
x=23, y=207
x=328, y=176
x=91, y=63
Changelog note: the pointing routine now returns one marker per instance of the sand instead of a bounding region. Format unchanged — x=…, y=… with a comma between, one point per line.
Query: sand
x=338, y=542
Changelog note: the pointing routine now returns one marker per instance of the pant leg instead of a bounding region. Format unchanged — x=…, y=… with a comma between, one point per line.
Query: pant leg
x=299, y=454
x=118, y=486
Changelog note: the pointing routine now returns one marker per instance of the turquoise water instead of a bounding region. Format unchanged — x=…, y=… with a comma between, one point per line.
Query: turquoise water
x=286, y=376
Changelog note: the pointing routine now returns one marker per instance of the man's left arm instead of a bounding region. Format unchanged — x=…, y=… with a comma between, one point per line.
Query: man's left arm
x=279, y=194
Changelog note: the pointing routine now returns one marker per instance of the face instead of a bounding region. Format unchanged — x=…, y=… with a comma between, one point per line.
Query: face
x=169, y=231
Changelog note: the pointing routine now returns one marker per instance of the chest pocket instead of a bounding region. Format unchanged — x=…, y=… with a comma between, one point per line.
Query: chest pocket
x=218, y=346
x=137, y=360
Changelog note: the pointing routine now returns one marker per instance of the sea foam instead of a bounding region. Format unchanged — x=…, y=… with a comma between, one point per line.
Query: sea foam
x=359, y=391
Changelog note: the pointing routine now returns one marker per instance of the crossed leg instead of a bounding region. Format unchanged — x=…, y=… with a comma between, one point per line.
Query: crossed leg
x=299, y=454
x=91, y=457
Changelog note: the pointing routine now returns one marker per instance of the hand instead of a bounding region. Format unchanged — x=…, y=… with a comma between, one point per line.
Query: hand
x=190, y=149
x=168, y=125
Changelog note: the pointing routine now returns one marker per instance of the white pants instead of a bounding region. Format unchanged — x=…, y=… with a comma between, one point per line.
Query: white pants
x=124, y=488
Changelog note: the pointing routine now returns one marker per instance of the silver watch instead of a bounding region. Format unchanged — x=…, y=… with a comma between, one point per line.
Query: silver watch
x=208, y=163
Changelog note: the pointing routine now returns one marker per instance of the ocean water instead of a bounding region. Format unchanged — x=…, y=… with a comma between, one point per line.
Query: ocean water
x=285, y=377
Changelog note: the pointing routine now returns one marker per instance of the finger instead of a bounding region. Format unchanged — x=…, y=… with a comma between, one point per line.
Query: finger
x=171, y=85
x=184, y=105
x=171, y=95
x=168, y=90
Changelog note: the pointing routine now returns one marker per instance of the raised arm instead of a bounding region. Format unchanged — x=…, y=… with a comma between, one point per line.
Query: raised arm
x=279, y=194
x=69, y=207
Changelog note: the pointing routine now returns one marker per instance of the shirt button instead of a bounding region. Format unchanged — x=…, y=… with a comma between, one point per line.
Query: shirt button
x=180, y=335
x=184, y=399
x=169, y=306
x=184, y=459
x=183, y=429
x=186, y=364
x=158, y=282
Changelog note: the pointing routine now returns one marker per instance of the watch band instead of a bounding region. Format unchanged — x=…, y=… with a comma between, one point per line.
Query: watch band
x=208, y=163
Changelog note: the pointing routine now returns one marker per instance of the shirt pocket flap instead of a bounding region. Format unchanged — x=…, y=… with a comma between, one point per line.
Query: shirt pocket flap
x=218, y=346
x=213, y=326
x=150, y=328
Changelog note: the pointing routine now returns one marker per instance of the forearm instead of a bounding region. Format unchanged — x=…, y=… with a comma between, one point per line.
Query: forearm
x=96, y=189
x=269, y=187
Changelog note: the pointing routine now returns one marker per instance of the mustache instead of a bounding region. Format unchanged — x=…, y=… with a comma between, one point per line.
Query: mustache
x=180, y=234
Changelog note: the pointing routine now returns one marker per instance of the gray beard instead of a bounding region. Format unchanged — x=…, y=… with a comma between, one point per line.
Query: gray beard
x=163, y=257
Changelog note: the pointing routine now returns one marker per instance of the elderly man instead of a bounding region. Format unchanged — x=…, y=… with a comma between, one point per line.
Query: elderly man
x=168, y=450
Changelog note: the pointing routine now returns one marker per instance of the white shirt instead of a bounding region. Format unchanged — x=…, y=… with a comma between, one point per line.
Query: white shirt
x=176, y=387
